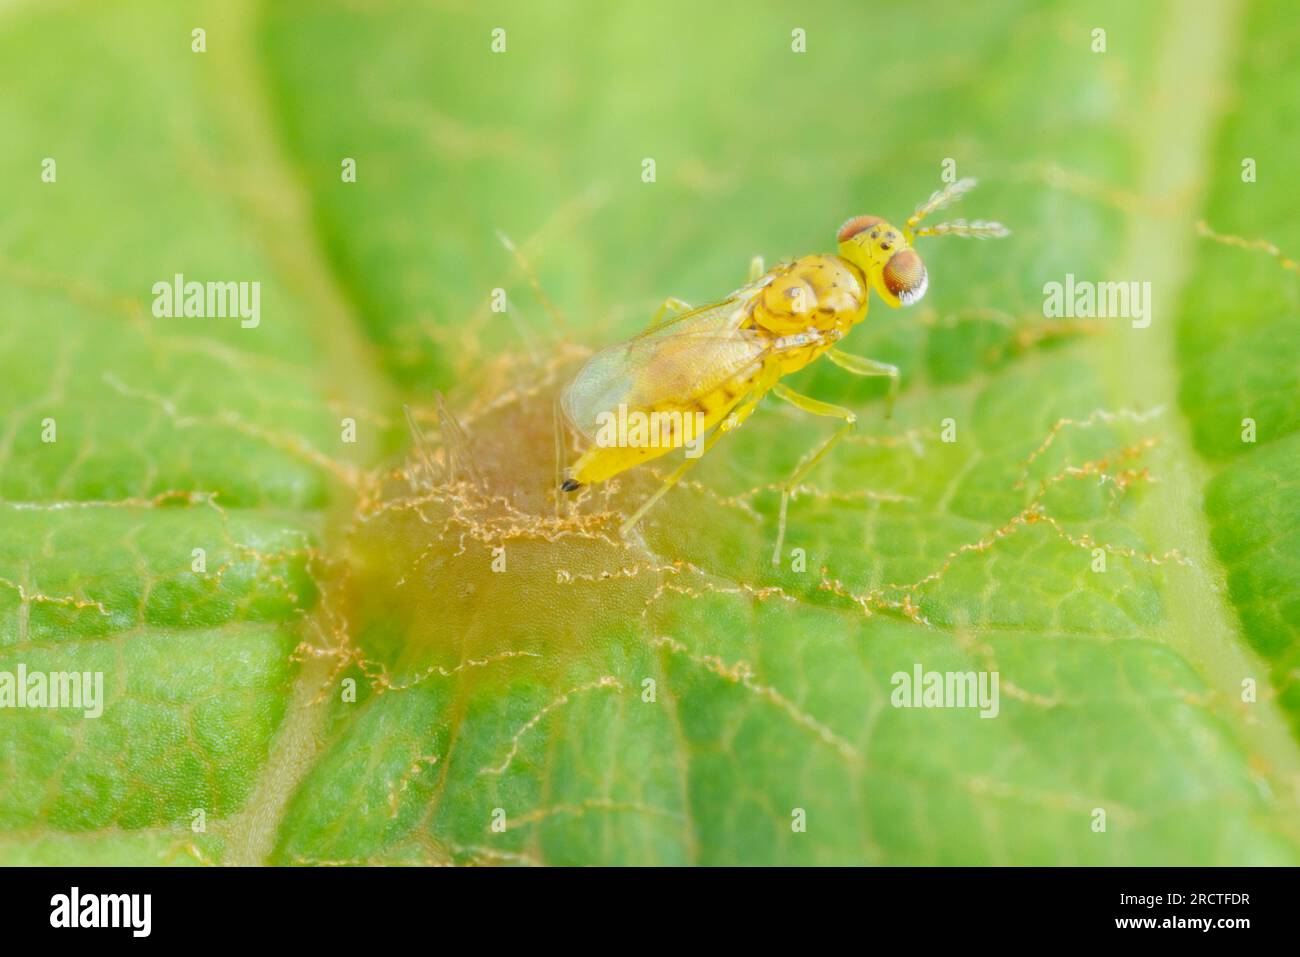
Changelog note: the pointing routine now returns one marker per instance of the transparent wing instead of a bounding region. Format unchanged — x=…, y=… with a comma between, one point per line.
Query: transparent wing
x=716, y=317
x=654, y=371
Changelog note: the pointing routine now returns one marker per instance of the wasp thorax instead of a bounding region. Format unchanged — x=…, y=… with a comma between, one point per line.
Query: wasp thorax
x=786, y=303
x=814, y=292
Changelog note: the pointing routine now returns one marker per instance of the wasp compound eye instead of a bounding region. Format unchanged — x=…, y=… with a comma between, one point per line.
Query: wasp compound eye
x=856, y=225
x=904, y=276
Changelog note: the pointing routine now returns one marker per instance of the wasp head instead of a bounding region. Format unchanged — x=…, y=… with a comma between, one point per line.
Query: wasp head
x=884, y=254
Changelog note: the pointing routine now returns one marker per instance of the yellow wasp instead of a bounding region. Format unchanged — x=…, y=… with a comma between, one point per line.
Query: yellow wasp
x=709, y=367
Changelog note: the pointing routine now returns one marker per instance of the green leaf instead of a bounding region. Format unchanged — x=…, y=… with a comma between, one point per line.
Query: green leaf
x=1069, y=504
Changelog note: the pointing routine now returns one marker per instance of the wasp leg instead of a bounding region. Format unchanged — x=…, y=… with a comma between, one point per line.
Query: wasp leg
x=860, y=366
x=531, y=275
x=678, y=306
x=810, y=460
x=732, y=422
x=756, y=268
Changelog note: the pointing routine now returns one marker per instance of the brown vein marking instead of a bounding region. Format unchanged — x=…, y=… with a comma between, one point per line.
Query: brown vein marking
x=866, y=494
x=266, y=562
x=1033, y=514
x=1104, y=468
x=586, y=806
x=667, y=586
x=565, y=577
x=66, y=601
x=166, y=498
x=983, y=786
x=677, y=567
x=605, y=681
x=335, y=642
x=372, y=861
x=1097, y=415
x=491, y=519
x=1240, y=242
x=759, y=592
x=739, y=502
x=982, y=651
x=378, y=675
x=98, y=300
x=479, y=854
x=81, y=293
x=347, y=473
x=192, y=849
x=400, y=787
x=913, y=439
x=742, y=673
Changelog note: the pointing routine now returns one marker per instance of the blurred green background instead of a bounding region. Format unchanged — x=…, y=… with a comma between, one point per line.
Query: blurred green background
x=1122, y=689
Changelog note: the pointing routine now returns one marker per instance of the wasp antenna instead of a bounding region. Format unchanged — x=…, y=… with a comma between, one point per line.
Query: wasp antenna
x=531, y=275
x=975, y=229
x=938, y=200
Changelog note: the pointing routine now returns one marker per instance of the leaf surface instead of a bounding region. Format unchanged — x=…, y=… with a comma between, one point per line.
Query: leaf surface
x=675, y=699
